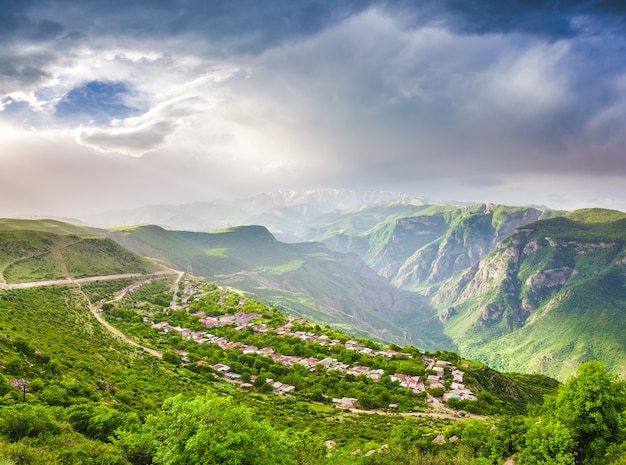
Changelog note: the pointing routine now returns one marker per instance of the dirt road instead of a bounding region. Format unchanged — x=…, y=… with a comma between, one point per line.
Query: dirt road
x=60, y=282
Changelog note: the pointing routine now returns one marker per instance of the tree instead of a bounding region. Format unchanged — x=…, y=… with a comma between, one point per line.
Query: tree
x=591, y=405
x=214, y=430
x=172, y=357
x=550, y=444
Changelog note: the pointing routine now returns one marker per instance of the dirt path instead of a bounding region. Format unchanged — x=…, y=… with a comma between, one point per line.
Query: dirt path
x=176, y=286
x=95, y=310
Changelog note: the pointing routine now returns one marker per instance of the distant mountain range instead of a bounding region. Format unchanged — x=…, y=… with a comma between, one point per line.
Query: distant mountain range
x=520, y=288
x=282, y=212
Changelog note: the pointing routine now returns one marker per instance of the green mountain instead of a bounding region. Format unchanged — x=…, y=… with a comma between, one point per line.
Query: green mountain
x=549, y=297
x=420, y=246
x=308, y=278
x=519, y=288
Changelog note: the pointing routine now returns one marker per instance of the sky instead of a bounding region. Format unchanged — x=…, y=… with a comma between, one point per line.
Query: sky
x=119, y=104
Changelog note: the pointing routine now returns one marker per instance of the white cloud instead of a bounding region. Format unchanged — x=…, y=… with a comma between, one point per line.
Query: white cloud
x=139, y=135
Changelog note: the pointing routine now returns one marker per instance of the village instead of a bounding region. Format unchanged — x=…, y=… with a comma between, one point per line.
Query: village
x=440, y=370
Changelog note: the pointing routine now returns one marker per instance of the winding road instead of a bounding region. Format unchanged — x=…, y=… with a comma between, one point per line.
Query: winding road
x=94, y=308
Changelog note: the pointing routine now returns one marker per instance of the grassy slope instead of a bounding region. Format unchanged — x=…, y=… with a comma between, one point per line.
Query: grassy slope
x=56, y=322
x=70, y=256
x=69, y=350
x=583, y=319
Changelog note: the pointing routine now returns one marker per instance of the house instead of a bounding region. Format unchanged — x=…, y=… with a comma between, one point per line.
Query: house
x=241, y=317
x=310, y=362
x=221, y=341
x=419, y=388
x=328, y=361
x=457, y=376
x=389, y=353
x=345, y=402
x=286, y=389
x=209, y=323
x=400, y=377
x=268, y=351
x=220, y=367
x=358, y=370
x=412, y=381
x=465, y=394
x=250, y=349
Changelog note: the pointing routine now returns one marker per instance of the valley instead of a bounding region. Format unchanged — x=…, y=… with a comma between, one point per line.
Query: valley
x=440, y=278
x=119, y=343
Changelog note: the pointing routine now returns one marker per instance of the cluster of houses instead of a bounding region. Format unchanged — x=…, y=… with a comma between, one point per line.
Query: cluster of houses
x=277, y=387
x=243, y=320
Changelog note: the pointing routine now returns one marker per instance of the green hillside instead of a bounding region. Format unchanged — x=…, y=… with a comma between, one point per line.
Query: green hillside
x=90, y=398
x=551, y=296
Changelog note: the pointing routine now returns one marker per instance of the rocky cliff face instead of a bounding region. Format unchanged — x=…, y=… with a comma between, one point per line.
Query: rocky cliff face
x=401, y=240
x=471, y=236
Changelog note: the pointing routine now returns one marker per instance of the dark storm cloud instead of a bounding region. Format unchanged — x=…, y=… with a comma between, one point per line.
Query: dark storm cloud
x=552, y=19
x=235, y=25
x=251, y=25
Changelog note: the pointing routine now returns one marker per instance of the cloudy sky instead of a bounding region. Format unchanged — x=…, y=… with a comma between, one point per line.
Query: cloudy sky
x=118, y=104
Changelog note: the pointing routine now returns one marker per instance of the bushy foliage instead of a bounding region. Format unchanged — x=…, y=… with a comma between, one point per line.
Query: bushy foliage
x=212, y=429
